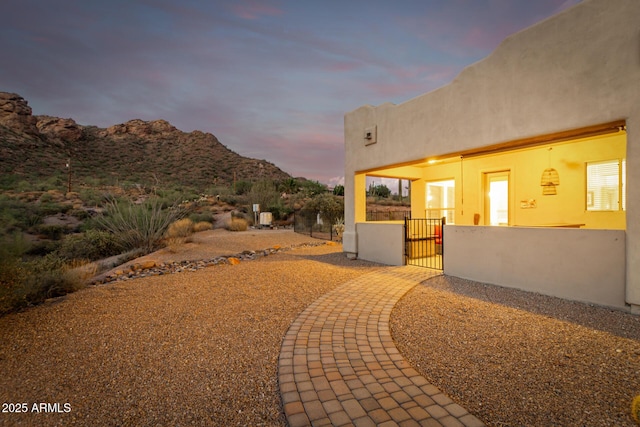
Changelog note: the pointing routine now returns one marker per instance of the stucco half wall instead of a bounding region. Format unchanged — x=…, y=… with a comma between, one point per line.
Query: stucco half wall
x=576, y=264
x=381, y=242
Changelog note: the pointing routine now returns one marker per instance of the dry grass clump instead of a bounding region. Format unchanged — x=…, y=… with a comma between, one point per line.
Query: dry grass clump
x=237, y=224
x=202, y=226
x=178, y=232
x=180, y=228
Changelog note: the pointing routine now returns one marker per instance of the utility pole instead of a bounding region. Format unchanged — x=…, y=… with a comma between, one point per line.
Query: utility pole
x=69, y=175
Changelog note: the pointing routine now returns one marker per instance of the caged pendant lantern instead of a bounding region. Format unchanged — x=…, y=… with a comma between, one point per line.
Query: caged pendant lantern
x=550, y=179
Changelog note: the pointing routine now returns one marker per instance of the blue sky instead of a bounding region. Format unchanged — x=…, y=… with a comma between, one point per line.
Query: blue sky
x=271, y=79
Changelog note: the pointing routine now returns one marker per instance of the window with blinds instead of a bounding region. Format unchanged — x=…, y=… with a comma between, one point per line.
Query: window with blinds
x=605, y=185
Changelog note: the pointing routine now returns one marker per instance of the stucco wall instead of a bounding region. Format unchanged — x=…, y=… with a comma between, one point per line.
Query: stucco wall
x=576, y=264
x=577, y=69
x=381, y=242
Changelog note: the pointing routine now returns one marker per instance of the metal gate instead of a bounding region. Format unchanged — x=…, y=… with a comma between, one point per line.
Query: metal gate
x=423, y=242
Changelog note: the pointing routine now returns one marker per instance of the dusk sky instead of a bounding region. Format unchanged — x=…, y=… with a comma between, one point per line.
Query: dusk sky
x=270, y=79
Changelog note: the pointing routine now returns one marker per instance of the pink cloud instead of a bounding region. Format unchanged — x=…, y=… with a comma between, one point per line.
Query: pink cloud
x=343, y=66
x=253, y=9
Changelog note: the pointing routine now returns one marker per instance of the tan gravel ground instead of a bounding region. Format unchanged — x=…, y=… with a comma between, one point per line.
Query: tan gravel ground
x=195, y=348
x=201, y=348
x=514, y=358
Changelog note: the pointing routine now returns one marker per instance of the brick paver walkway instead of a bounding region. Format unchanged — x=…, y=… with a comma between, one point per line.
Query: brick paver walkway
x=339, y=366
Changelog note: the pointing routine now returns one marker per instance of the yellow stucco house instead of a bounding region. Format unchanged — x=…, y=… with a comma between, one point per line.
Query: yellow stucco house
x=532, y=155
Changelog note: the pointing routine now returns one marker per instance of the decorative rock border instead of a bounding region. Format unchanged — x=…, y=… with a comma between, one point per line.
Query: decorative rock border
x=152, y=268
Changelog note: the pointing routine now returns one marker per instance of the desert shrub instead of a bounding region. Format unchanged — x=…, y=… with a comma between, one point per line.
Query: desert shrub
x=46, y=198
x=139, y=226
x=233, y=199
x=53, y=232
x=243, y=187
x=17, y=215
x=219, y=190
x=22, y=186
x=330, y=207
x=202, y=226
x=90, y=245
x=312, y=188
x=81, y=214
x=169, y=195
x=42, y=248
x=201, y=217
x=289, y=186
x=237, y=224
x=50, y=277
x=25, y=283
x=56, y=182
x=91, y=197
x=51, y=208
x=9, y=181
x=265, y=194
x=280, y=211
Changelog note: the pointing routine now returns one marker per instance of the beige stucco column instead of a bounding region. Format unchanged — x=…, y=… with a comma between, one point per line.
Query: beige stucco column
x=633, y=211
x=354, y=211
x=418, y=202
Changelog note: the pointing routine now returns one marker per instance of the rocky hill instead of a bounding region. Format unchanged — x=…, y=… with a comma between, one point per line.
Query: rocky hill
x=152, y=153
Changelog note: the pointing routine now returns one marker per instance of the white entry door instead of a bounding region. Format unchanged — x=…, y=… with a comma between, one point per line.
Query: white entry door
x=496, y=190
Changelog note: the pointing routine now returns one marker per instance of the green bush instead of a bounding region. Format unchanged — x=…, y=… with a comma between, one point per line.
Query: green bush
x=90, y=245
x=50, y=208
x=202, y=217
x=330, y=207
x=91, y=197
x=17, y=215
x=42, y=248
x=243, y=187
x=280, y=212
x=53, y=232
x=234, y=200
x=81, y=214
x=25, y=283
x=312, y=188
x=139, y=226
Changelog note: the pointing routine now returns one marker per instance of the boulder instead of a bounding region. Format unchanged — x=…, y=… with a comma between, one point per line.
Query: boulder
x=16, y=114
x=60, y=129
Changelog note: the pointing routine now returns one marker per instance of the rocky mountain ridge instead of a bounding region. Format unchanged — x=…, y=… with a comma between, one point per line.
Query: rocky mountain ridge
x=144, y=152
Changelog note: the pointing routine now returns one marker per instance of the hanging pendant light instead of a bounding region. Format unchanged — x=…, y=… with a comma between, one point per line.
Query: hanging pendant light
x=550, y=179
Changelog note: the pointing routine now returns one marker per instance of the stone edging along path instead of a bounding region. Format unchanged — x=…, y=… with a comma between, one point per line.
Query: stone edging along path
x=153, y=268
x=339, y=366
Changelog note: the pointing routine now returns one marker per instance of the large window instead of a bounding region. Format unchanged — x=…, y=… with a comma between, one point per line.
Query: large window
x=606, y=185
x=441, y=197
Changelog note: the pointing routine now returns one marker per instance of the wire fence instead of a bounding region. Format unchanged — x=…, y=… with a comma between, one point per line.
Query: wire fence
x=310, y=224
x=388, y=215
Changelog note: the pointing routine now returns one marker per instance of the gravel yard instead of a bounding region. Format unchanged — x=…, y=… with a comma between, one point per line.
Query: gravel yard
x=201, y=348
x=514, y=358
x=195, y=348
